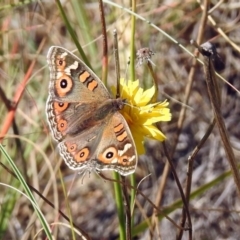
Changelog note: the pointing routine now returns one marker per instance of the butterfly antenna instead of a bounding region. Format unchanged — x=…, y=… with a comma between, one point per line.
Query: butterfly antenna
x=83, y=174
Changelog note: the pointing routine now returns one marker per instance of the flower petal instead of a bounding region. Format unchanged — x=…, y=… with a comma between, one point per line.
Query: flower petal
x=138, y=97
x=153, y=132
x=142, y=116
x=147, y=96
x=139, y=140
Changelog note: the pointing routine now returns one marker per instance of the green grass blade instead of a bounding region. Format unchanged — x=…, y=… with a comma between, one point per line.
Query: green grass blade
x=28, y=192
x=120, y=207
x=72, y=33
x=85, y=24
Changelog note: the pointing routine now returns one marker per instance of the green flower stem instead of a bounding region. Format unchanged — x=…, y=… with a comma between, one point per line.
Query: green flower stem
x=120, y=207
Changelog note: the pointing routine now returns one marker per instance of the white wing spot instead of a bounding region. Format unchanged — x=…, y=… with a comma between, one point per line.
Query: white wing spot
x=115, y=160
x=64, y=54
x=59, y=75
x=132, y=158
x=73, y=66
x=126, y=147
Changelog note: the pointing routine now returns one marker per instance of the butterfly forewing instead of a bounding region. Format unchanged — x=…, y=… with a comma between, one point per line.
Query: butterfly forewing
x=84, y=118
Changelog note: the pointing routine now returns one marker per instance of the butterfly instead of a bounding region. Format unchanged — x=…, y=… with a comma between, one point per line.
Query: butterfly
x=84, y=118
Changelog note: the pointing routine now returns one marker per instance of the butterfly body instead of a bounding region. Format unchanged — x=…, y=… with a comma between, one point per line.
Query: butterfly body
x=85, y=119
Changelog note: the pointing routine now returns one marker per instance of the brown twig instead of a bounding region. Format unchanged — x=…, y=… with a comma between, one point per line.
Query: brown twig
x=192, y=157
x=192, y=72
x=10, y=105
x=185, y=203
x=214, y=94
x=104, y=44
x=150, y=68
x=184, y=199
x=159, y=210
x=19, y=92
x=116, y=57
x=127, y=209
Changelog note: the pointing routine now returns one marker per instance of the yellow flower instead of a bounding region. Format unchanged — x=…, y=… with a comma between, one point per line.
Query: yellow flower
x=141, y=114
